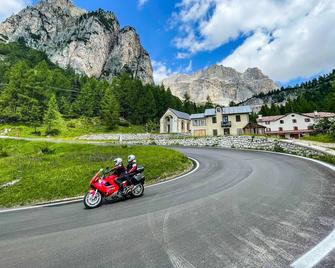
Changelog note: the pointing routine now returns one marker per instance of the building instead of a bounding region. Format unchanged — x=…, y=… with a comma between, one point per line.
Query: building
x=254, y=129
x=220, y=121
x=174, y=121
x=217, y=121
x=292, y=125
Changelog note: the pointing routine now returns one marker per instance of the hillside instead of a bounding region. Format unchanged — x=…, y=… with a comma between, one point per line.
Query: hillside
x=221, y=84
x=317, y=94
x=91, y=43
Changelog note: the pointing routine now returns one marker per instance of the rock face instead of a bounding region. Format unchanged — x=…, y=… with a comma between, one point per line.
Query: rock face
x=91, y=43
x=221, y=84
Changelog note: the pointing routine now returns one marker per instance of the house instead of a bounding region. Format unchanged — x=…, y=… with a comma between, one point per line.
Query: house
x=174, y=121
x=216, y=121
x=254, y=128
x=220, y=121
x=292, y=125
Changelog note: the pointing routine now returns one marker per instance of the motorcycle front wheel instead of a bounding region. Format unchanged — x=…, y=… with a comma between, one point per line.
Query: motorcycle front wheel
x=93, y=202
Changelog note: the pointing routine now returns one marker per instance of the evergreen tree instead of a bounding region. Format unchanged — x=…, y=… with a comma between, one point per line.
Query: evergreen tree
x=110, y=110
x=52, y=116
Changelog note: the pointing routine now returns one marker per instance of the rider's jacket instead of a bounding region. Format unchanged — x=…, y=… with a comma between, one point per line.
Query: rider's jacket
x=131, y=167
x=119, y=170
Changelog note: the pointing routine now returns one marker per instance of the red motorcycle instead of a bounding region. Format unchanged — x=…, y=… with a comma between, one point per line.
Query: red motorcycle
x=103, y=186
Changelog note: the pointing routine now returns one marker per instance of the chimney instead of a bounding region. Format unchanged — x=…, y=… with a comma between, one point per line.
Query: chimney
x=316, y=114
x=259, y=117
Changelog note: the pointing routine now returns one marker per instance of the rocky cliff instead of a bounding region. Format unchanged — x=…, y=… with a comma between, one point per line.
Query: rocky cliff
x=221, y=84
x=91, y=43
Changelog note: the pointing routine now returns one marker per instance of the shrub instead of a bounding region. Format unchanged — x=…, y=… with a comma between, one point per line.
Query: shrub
x=278, y=149
x=3, y=153
x=47, y=150
x=71, y=124
x=52, y=132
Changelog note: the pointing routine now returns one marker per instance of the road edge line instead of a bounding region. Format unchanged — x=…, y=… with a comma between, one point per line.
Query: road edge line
x=73, y=200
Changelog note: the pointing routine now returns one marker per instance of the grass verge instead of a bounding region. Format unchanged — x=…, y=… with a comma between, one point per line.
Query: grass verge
x=69, y=129
x=49, y=171
x=320, y=138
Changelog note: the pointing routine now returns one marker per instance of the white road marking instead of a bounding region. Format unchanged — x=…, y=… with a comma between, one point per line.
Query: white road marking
x=321, y=250
x=76, y=200
x=316, y=254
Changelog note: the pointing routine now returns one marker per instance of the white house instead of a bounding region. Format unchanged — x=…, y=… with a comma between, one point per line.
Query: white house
x=292, y=125
x=174, y=121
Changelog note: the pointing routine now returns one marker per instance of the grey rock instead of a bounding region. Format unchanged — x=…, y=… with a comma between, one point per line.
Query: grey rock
x=91, y=43
x=221, y=84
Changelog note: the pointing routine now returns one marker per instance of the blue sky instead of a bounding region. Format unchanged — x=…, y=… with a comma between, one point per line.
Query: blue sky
x=289, y=40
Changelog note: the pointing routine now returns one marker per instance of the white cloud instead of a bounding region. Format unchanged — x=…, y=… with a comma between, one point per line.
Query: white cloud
x=141, y=3
x=160, y=71
x=286, y=39
x=10, y=7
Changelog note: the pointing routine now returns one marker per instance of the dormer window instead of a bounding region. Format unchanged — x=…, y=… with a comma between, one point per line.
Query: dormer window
x=218, y=109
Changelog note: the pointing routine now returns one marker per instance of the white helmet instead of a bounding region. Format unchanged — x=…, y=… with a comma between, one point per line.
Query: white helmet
x=118, y=161
x=131, y=158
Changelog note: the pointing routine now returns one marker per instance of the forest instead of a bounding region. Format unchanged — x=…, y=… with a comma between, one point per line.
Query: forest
x=35, y=91
x=315, y=95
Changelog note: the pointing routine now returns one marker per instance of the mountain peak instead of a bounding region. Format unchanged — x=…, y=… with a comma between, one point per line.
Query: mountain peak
x=222, y=84
x=91, y=43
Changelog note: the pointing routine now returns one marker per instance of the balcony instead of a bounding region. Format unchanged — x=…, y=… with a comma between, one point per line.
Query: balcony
x=226, y=124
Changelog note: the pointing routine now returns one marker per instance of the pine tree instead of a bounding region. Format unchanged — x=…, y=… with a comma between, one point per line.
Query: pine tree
x=110, y=110
x=52, y=116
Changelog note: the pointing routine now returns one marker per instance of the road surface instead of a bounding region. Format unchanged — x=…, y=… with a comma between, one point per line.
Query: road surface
x=239, y=209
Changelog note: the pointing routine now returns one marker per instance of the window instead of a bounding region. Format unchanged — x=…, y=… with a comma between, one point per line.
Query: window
x=294, y=121
x=268, y=129
x=225, y=118
x=226, y=131
x=199, y=122
x=280, y=129
x=218, y=110
x=281, y=121
x=292, y=115
x=267, y=122
x=238, y=118
x=182, y=126
x=295, y=128
x=214, y=120
x=215, y=132
x=307, y=120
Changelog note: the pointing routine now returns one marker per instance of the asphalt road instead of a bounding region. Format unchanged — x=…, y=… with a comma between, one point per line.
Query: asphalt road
x=240, y=209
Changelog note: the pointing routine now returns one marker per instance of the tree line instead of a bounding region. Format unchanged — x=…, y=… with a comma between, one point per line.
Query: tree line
x=317, y=94
x=35, y=91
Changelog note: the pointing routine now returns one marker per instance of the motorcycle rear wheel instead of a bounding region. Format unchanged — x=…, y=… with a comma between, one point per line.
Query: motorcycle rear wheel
x=137, y=190
x=93, y=202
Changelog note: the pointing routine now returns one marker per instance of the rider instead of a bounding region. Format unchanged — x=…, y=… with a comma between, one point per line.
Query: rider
x=132, y=166
x=119, y=170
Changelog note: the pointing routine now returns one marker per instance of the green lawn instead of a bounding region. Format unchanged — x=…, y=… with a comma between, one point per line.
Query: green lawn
x=320, y=138
x=70, y=128
x=49, y=171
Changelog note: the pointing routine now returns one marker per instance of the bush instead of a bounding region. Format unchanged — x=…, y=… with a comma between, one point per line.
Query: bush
x=3, y=153
x=71, y=124
x=278, y=149
x=47, y=150
x=52, y=132
x=36, y=133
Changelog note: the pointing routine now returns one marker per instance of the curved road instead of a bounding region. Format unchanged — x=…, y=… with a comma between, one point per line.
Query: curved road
x=240, y=209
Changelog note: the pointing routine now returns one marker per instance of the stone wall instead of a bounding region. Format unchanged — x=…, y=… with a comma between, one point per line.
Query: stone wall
x=239, y=142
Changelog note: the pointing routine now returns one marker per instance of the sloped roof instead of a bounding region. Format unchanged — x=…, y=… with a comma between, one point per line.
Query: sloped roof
x=236, y=110
x=320, y=114
x=253, y=125
x=197, y=116
x=179, y=114
x=210, y=112
x=270, y=118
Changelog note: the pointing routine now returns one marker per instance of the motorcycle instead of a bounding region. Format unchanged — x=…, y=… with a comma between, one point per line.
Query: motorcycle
x=103, y=186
